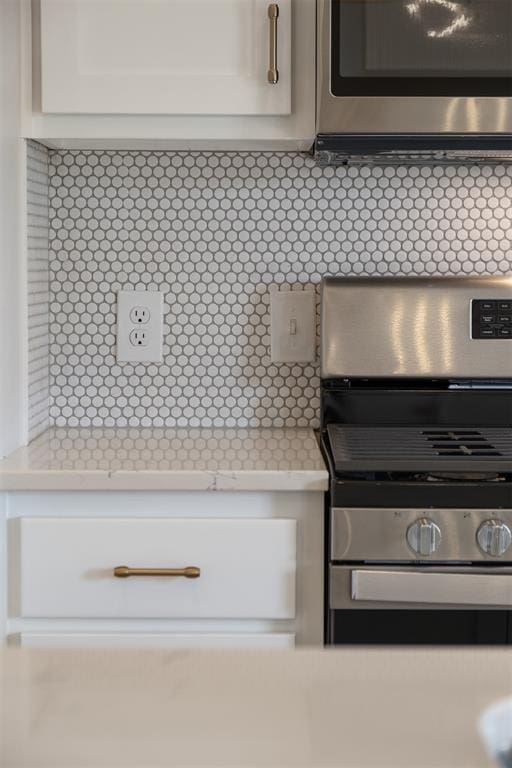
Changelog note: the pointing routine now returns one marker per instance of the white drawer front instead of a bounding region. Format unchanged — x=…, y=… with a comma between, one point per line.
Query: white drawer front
x=155, y=640
x=247, y=568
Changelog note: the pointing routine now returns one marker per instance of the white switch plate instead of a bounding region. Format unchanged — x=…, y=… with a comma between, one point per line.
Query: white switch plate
x=139, y=326
x=292, y=326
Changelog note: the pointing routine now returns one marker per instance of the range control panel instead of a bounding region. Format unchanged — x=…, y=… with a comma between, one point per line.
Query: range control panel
x=491, y=318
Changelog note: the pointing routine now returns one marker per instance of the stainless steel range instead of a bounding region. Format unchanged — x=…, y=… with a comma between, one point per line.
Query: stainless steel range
x=417, y=430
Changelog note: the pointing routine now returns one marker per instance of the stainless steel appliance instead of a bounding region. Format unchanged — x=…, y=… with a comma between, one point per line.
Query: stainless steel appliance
x=412, y=80
x=416, y=397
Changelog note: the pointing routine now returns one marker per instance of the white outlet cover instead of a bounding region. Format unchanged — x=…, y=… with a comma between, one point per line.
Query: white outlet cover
x=292, y=326
x=128, y=349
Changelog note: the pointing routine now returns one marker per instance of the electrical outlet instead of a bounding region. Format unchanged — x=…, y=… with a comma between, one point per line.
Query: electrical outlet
x=292, y=326
x=140, y=315
x=139, y=338
x=139, y=326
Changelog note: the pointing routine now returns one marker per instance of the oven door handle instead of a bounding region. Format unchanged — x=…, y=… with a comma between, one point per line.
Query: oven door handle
x=472, y=589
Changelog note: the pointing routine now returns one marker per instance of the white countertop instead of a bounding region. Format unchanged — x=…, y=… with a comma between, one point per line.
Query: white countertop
x=167, y=459
x=366, y=708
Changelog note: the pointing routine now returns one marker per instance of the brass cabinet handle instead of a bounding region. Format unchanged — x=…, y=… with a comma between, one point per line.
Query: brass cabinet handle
x=273, y=72
x=190, y=572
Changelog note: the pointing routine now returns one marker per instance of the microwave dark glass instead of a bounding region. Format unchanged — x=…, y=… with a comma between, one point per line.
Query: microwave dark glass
x=421, y=48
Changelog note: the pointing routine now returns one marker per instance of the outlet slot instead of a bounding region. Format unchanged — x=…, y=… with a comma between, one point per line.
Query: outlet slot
x=139, y=338
x=140, y=315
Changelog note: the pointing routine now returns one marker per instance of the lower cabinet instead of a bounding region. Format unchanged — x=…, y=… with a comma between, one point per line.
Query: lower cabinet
x=164, y=570
x=154, y=640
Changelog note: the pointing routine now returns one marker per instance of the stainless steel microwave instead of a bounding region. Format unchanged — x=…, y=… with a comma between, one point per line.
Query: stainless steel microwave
x=414, y=78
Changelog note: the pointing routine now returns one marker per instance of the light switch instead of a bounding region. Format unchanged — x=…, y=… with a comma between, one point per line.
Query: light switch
x=292, y=326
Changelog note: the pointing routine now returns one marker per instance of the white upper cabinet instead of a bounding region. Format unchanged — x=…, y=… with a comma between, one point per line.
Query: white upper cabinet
x=165, y=57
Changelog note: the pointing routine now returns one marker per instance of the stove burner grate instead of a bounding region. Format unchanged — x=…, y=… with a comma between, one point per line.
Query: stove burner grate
x=373, y=448
x=462, y=442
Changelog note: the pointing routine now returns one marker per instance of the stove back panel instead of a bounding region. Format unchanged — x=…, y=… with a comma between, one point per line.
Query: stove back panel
x=444, y=407
x=446, y=328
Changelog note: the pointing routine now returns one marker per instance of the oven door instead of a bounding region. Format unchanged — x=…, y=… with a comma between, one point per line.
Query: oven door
x=421, y=605
x=415, y=66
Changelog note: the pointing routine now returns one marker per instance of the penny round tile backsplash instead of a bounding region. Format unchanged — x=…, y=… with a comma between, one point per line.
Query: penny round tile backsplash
x=215, y=233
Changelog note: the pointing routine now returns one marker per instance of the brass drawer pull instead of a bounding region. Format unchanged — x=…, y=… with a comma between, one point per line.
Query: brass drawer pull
x=190, y=572
x=273, y=72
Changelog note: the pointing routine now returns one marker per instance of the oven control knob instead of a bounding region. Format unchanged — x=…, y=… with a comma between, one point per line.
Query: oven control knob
x=424, y=536
x=494, y=537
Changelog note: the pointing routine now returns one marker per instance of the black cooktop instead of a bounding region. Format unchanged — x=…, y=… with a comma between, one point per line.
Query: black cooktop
x=379, y=448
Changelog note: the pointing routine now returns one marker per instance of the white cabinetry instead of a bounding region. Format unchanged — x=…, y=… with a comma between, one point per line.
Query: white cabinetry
x=246, y=567
x=168, y=74
x=260, y=557
x=160, y=640
x=170, y=57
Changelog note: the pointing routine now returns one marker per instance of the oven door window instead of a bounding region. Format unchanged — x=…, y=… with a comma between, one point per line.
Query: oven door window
x=421, y=48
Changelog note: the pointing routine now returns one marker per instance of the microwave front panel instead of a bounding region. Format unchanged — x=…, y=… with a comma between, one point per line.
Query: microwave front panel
x=415, y=66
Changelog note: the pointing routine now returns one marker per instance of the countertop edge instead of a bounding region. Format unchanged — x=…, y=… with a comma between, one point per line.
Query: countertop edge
x=159, y=480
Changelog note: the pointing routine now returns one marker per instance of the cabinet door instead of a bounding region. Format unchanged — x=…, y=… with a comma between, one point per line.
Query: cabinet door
x=163, y=640
x=170, y=57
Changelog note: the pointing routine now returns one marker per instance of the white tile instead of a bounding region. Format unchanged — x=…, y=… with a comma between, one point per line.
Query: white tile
x=38, y=295
x=215, y=233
